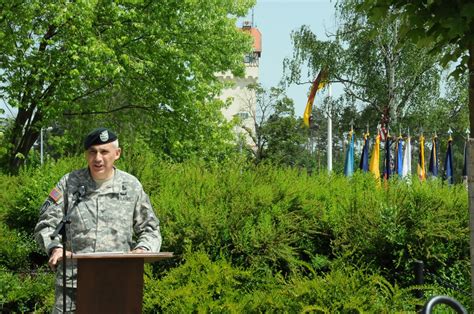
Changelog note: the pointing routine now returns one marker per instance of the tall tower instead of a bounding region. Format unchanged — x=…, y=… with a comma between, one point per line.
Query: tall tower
x=244, y=100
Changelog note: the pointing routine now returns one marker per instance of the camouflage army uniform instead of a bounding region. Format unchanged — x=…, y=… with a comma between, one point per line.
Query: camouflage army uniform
x=115, y=217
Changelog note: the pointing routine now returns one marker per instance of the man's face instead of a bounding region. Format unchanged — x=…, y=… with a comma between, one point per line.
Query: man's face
x=100, y=159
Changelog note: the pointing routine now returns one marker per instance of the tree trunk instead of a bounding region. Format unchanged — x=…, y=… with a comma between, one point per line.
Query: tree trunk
x=26, y=143
x=25, y=132
x=470, y=166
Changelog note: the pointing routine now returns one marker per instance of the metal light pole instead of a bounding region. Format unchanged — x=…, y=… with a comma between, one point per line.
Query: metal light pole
x=41, y=146
x=41, y=143
x=329, y=148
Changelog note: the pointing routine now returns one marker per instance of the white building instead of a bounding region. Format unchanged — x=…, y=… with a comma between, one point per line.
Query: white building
x=244, y=101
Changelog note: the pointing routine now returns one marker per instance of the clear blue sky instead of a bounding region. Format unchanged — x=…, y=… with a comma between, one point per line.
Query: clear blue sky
x=276, y=19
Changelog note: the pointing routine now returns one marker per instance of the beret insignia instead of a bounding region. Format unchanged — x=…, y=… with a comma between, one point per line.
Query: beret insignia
x=104, y=136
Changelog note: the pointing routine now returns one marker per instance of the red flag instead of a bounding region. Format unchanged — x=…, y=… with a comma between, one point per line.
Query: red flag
x=318, y=83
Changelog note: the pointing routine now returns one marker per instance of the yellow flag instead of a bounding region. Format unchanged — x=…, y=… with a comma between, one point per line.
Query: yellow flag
x=318, y=83
x=374, y=165
x=420, y=169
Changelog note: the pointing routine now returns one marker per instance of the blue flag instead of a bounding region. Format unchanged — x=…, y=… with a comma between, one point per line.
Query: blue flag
x=448, y=163
x=399, y=157
x=433, y=167
x=364, y=158
x=349, y=163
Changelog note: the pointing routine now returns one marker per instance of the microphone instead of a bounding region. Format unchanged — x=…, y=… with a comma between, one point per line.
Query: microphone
x=82, y=190
x=79, y=194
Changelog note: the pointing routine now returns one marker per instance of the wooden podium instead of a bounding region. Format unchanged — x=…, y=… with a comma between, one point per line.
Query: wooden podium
x=112, y=282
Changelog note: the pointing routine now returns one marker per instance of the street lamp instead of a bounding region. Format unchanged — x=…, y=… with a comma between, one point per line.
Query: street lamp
x=41, y=143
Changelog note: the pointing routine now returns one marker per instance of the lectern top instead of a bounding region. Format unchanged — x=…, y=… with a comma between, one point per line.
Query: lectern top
x=147, y=257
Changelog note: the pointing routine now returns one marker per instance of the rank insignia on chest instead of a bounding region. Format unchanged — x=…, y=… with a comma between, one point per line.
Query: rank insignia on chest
x=55, y=195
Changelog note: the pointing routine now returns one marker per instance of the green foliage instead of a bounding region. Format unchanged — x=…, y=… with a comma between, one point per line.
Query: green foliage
x=21, y=206
x=21, y=293
x=436, y=24
x=348, y=289
x=443, y=26
x=386, y=78
x=285, y=220
x=15, y=249
x=4, y=123
x=140, y=62
x=138, y=159
x=418, y=221
x=8, y=187
x=261, y=238
x=223, y=209
x=200, y=285
x=381, y=75
x=278, y=137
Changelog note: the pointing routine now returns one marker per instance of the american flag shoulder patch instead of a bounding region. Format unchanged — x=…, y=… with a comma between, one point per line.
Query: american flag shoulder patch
x=55, y=195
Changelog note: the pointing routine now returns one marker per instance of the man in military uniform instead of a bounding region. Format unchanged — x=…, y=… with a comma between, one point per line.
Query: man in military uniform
x=108, y=210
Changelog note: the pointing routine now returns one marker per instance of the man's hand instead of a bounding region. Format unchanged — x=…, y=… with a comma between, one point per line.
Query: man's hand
x=56, y=257
x=139, y=250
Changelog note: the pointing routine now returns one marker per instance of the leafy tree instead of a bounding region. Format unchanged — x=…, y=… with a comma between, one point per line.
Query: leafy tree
x=203, y=133
x=286, y=139
x=447, y=112
x=383, y=76
x=278, y=136
x=447, y=27
x=63, y=58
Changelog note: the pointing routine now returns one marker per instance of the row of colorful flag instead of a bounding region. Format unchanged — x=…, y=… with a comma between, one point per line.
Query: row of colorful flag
x=401, y=162
x=402, y=158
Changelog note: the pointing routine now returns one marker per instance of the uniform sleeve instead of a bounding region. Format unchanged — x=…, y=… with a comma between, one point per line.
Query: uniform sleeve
x=145, y=225
x=51, y=214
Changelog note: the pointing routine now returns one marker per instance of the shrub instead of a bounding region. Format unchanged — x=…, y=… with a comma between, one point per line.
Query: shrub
x=21, y=293
x=198, y=285
x=15, y=249
x=202, y=285
x=33, y=186
x=259, y=232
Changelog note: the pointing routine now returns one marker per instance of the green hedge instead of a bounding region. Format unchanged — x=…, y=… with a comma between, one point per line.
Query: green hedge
x=263, y=238
x=26, y=292
x=201, y=285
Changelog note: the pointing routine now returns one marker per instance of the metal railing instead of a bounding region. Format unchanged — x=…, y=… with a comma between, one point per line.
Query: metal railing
x=433, y=301
x=442, y=299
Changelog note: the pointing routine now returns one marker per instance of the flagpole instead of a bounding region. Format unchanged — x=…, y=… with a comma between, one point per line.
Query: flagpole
x=329, y=148
x=464, y=170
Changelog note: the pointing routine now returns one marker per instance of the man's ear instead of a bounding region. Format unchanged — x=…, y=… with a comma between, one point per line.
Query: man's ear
x=118, y=151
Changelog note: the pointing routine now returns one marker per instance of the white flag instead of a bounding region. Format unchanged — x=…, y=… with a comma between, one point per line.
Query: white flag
x=407, y=159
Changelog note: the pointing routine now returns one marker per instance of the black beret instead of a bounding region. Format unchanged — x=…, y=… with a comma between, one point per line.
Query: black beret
x=99, y=136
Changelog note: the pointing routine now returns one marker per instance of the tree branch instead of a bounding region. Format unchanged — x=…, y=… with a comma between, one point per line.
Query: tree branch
x=105, y=112
x=348, y=81
x=409, y=92
x=92, y=91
